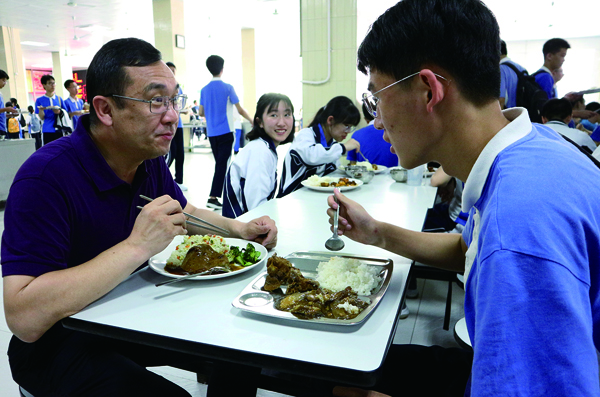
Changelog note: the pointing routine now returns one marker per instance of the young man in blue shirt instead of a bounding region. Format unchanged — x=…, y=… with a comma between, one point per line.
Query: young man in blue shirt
x=508, y=79
x=530, y=250
x=555, y=51
x=216, y=101
x=48, y=108
x=73, y=104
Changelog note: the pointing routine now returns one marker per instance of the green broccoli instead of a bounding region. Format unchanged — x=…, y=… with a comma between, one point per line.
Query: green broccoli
x=244, y=257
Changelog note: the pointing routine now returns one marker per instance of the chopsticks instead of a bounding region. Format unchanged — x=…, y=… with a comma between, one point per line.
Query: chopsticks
x=363, y=156
x=211, y=227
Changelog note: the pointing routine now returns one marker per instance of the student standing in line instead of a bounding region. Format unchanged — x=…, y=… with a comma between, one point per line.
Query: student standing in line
x=217, y=99
x=555, y=51
x=316, y=150
x=12, y=123
x=48, y=107
x=252, y=176
x=35, y=127
x=4, y=110
x=73, y=104
x=177, y=147
x=530, y=250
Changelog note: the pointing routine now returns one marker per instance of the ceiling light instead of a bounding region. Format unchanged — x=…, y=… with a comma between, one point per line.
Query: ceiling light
x=34, y=43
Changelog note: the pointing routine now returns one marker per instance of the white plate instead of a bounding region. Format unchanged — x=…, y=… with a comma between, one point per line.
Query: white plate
x=158, y=261
x=330, y=188
x=379, y=170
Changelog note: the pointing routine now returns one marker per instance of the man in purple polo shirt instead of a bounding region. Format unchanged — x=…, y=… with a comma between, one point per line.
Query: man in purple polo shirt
x=80, y=196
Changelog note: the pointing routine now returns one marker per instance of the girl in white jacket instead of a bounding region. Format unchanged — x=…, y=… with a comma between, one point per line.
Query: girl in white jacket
x=316, y=150
x=252, y=176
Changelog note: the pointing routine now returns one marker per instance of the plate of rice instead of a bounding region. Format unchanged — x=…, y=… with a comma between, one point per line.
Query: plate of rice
x=177, y=250
x=315, y=183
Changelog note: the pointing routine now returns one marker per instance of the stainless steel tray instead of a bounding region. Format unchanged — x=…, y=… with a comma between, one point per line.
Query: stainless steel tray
x=253, y=299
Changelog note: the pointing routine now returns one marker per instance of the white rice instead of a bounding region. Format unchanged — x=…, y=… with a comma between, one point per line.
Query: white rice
x=366, y=164
x=350, y=308
x=339, y=273
x=316, y=180
x=217, y=243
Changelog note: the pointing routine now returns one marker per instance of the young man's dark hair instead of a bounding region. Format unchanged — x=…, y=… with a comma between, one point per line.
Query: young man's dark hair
x=593, y=106
x=68, y=83
x=171, y=65
x=553, y=46
x=557, y=109
x=107, y=75
x=366, y=114
x=407, y=38
x=3, y=75
x=503, y=49
x=215, y=63
x=46, y=78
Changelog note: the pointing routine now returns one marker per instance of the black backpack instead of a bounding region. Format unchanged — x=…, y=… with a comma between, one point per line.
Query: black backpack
x=529, y=93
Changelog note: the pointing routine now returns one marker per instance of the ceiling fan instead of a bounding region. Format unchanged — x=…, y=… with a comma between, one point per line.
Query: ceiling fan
x=75, y=37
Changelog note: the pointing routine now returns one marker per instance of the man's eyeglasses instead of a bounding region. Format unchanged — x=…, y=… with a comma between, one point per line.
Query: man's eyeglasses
x=371, y=101
x=160, y=104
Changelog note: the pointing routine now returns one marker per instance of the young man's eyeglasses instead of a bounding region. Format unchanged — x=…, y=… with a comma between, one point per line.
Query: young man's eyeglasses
x=370, y=100
x=160, y=104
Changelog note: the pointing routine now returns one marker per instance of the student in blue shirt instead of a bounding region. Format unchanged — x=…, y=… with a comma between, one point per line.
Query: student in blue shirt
x=217, y=99
x=177, y=147
x=372, y=145
x=555, y=51
x=530, y=250
x=508, y=79
x=4, y=109
x=48, y=107
x=73, y=104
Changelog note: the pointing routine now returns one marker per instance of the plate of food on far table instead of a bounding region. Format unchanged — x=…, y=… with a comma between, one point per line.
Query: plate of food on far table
x=327, y=184
x=378, y=169
x=187, y=255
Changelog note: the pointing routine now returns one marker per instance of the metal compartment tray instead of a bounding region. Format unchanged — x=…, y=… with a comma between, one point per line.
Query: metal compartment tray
x=253, y=299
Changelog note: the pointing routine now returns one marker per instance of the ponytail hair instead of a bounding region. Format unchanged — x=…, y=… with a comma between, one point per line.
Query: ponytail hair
x=341, y=108
x=268, y=102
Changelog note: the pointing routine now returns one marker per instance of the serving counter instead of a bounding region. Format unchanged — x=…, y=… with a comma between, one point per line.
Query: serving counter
x=13, y=153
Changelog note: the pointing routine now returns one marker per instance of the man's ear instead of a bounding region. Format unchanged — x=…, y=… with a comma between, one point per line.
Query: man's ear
x=103, y=108
x=436, y=87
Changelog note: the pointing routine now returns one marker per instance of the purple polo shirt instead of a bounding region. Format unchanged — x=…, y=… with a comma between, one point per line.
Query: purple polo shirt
x=66, y=205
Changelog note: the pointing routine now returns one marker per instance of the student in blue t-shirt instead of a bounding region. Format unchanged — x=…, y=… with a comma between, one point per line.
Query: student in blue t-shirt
x=555, y=51
x=508, y=79
x=177, y=147
x=73, y=104
x=372, y=145
x=4, y=110
x=217, y=99
x=48, y=107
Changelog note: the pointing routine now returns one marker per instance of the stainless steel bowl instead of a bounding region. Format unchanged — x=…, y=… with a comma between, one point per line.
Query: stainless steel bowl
x=399, y=174
x=350, y=169
x=361, y=174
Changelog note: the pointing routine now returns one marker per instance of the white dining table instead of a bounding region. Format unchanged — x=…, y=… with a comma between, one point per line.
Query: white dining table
x=197, y=316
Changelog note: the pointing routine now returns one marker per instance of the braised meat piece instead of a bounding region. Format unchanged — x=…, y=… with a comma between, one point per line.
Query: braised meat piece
x=199, y=258
x=342, y=305
x=305, y=305
x=278, y=272
x=302, y=285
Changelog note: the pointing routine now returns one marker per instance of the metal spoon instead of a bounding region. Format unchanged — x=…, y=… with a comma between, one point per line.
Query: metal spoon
x=209, y=272
x=335, y=243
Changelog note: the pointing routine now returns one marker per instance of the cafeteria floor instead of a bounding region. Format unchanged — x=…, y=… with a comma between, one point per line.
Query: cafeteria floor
x=423, y=326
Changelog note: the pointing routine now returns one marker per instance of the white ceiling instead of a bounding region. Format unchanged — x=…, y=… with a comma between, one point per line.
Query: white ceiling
x=94, y=22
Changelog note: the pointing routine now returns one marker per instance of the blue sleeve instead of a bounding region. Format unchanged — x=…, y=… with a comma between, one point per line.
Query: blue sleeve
x=69, y=106
x=351, y=156
x=233, y=96
x=532, y=332
x=503, y=79
x=37, y=103
x=62, y=103
x=546, y=82
x=596, y=134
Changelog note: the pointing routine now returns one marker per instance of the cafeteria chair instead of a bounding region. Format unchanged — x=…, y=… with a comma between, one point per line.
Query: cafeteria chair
x=461, y=335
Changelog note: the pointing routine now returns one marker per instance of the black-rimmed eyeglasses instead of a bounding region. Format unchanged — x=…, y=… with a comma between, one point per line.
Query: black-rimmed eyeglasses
x=371, y=101
x=160, y=104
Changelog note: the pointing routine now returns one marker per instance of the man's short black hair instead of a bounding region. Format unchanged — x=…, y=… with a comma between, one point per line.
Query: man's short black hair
x=171, y=65
x=503, y=49
x=366, y=114
x=68, y=83
x=9, y=104
x=593, y=106
x=553, y=46
x=107, y=75
x=46, y=78
x=460, y=36
x=557, y=109
x=3, y=75
x=215, y=63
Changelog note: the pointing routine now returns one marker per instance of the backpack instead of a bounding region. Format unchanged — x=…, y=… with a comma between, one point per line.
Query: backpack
x=13, y=125
x=22, y=121
x=62, y=122
x=529, y=93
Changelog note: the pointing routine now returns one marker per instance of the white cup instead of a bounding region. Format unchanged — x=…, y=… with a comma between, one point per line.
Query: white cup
x=415, y=176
